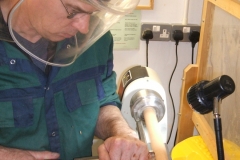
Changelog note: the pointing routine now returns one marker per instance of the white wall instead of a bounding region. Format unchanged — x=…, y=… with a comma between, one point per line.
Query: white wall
x=162, y=54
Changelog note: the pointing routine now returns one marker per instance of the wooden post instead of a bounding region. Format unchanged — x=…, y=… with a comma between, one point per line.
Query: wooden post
x=185, y=124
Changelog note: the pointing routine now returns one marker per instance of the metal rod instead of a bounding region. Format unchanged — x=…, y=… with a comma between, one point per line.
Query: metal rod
x=218, y=128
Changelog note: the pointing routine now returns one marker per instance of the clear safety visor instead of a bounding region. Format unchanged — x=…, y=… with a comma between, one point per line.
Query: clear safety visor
x=107, y=12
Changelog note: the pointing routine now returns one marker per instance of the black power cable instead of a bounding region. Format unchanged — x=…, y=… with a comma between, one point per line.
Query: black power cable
x=177, y=36
x=194, y=38
x=147, y=35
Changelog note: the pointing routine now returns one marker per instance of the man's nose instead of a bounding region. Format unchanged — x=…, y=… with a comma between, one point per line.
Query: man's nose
x=81, y=23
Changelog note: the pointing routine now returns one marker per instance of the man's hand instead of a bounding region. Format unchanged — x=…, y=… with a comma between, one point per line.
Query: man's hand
x=120, y=140
x=17, y=154
x=123, y=148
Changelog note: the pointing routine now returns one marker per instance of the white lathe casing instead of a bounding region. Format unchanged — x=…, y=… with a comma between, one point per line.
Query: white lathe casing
x=149, y=80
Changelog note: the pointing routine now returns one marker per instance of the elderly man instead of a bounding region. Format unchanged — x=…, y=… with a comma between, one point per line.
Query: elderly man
x=57, y=86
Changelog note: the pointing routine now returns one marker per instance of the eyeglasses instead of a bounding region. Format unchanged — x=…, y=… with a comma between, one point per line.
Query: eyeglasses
x=73, y=13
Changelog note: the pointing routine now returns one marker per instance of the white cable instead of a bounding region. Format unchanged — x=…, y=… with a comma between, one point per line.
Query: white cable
x=185, y=15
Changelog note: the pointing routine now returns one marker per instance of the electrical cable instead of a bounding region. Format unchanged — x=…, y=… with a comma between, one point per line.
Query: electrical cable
x=147, y=35
x=177, y=36
x=194, y=38
x=192, y=55
x=147, y=42
x=171, y=94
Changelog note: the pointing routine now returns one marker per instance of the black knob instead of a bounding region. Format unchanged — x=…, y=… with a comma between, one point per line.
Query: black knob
x=200, y=96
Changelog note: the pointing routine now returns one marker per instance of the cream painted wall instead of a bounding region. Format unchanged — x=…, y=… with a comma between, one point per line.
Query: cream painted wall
x=162, y=54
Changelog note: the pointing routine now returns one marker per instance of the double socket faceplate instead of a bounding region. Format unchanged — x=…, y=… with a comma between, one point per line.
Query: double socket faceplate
x=163, y=32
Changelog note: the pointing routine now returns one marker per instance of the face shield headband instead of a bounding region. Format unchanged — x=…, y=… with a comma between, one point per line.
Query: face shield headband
x=69, y=49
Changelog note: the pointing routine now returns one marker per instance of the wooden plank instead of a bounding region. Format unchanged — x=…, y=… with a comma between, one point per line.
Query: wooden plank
x=218, y=54
x=205, y=38
x=230, y=6
x=223, y=58
x=185, y=124
x=237, y=1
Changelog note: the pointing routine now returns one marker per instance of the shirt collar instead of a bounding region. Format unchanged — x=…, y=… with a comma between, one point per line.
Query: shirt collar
x=4, y=31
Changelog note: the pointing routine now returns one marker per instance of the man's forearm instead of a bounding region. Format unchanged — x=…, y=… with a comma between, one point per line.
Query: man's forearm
x=18, y=154
x=120, y=140
x=111, y=123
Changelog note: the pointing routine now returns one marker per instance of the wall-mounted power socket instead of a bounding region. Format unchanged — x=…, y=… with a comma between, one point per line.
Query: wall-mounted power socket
x=161, y=32
x=186, y=29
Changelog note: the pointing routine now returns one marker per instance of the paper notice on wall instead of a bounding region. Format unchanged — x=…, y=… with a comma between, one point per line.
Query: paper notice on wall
x=126, y=33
